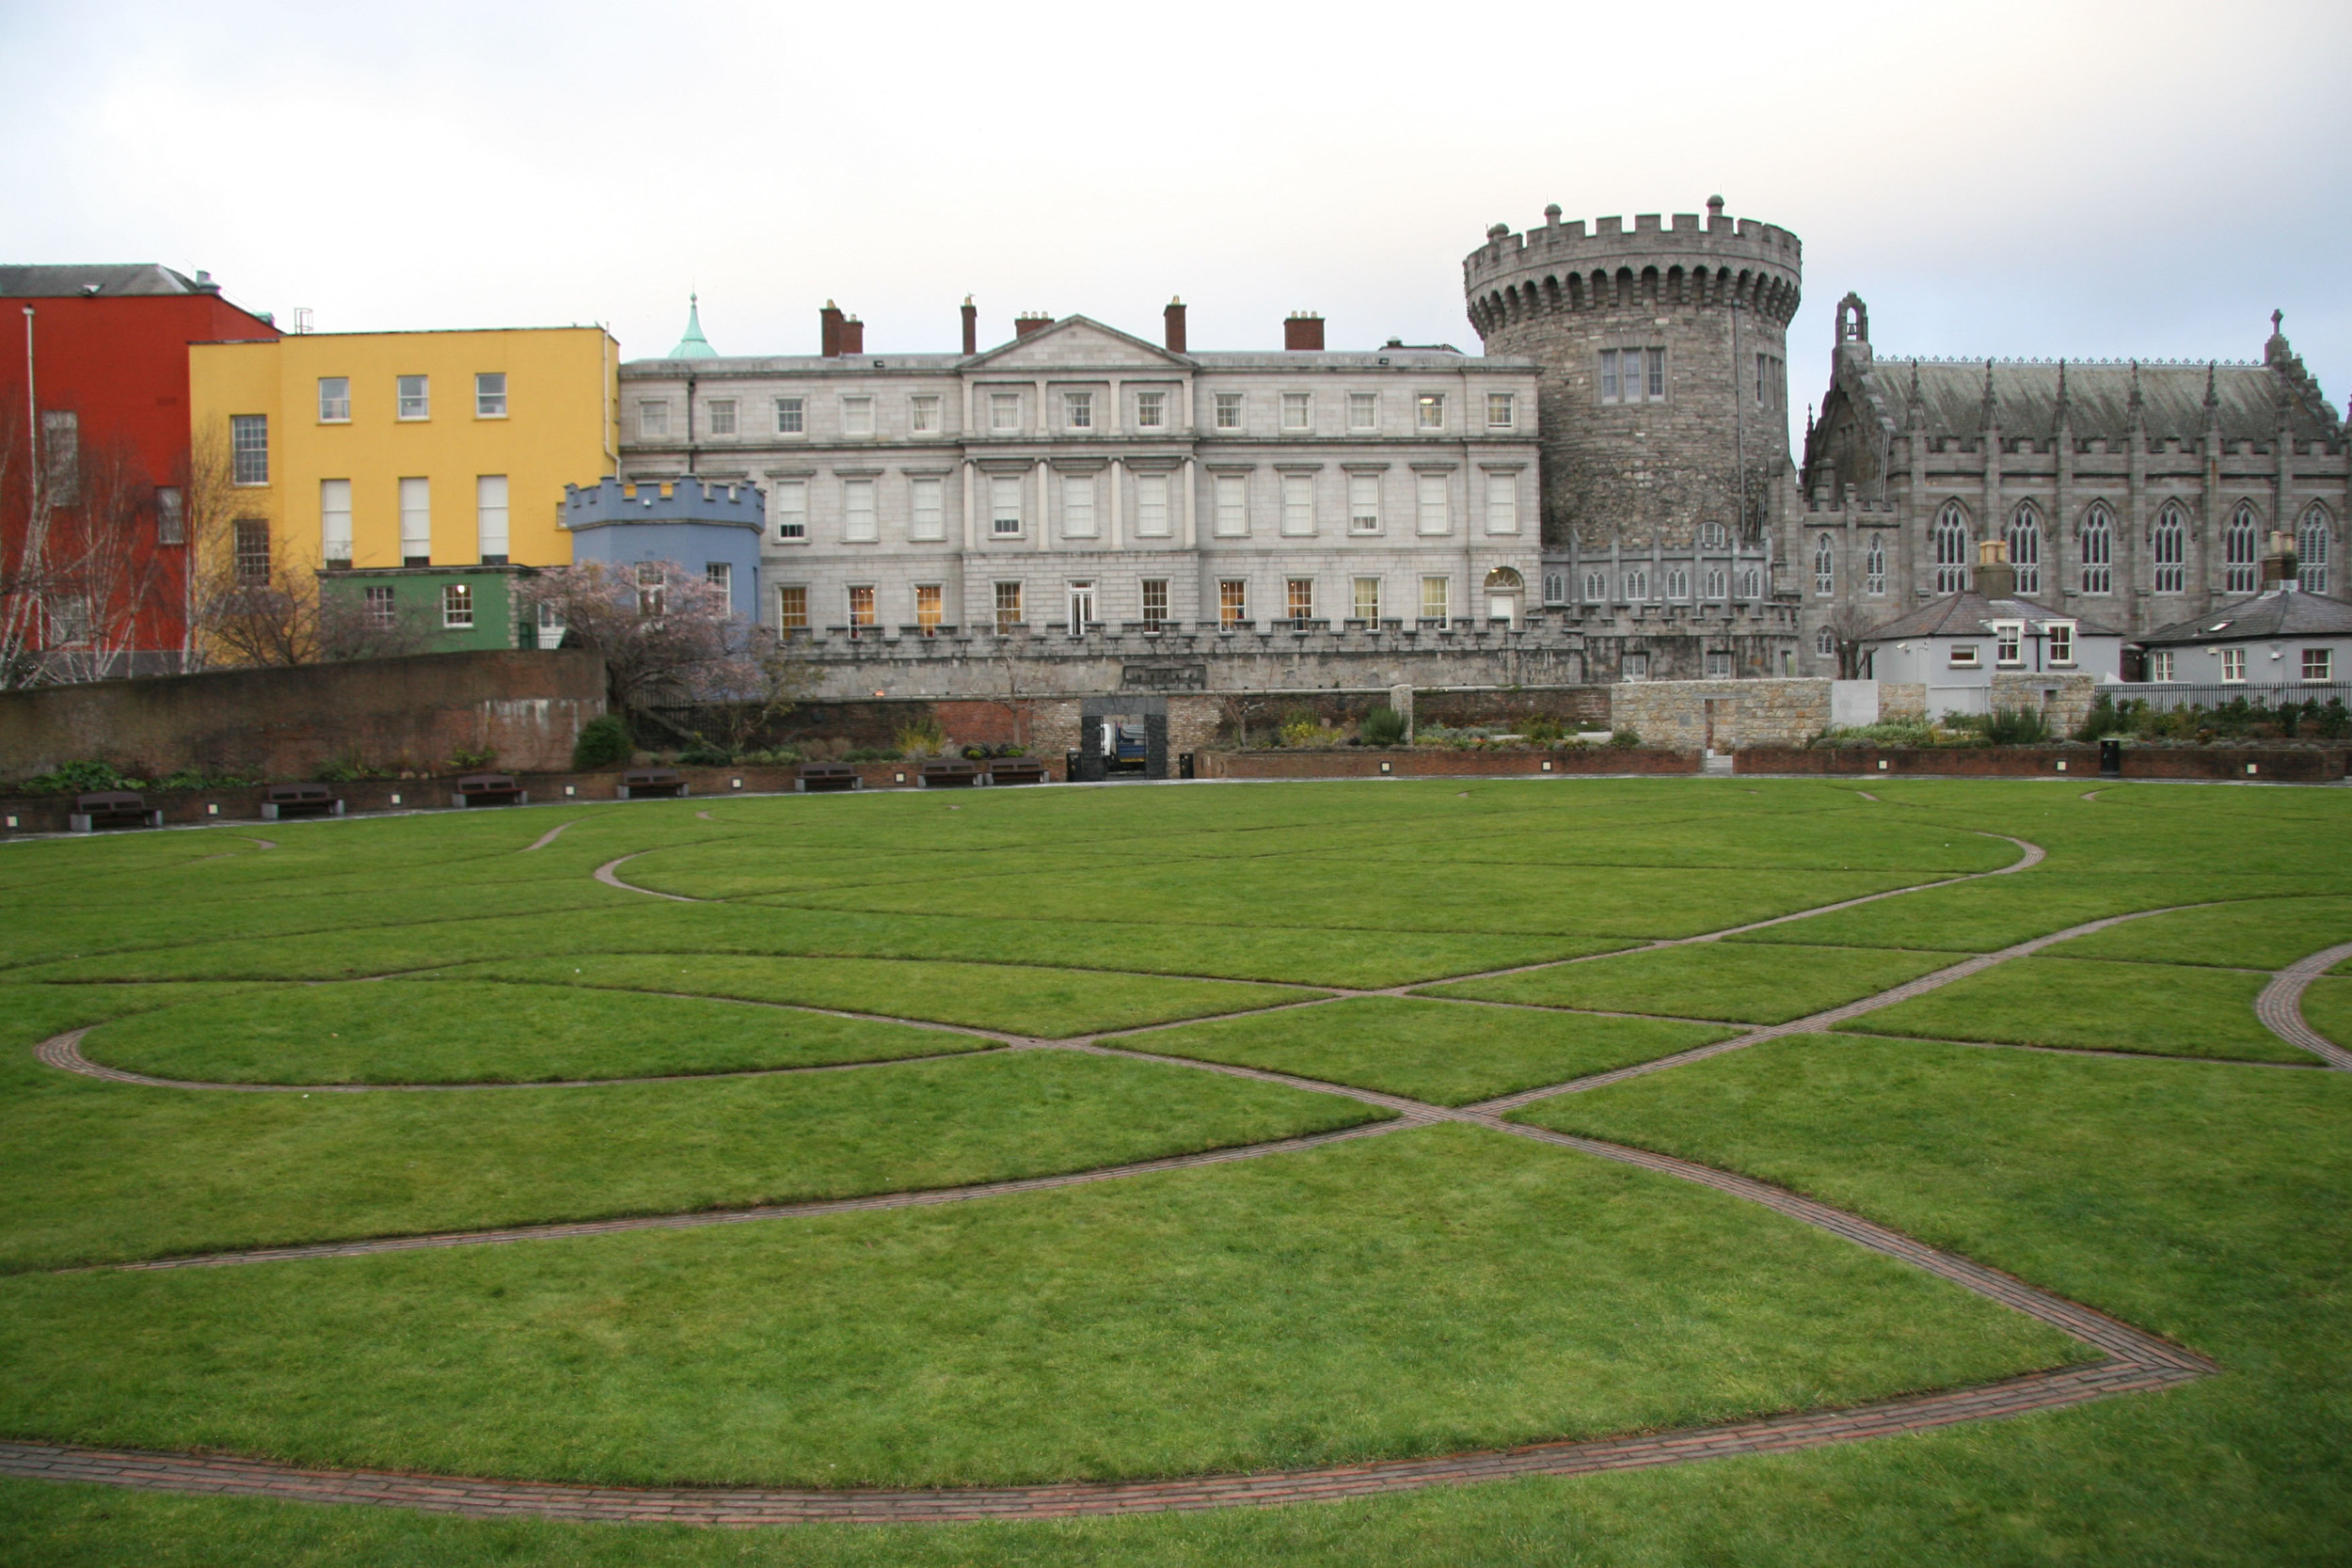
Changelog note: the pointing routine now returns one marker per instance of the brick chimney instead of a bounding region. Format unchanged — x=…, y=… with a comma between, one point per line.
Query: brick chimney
x=1995, y=578
x=971, y=326
x=829, y=330
x=852, y=335
x=1174, y=316
x=1303, y=333
x=2279, y=562
x=1028, y=322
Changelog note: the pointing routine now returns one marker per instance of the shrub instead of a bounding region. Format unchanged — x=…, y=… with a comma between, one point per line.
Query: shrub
x=77, y=778
x=1625, y=739
x=464, y=761
x=2016, y=727
x=1383, y=726
x=921, y=739
x=702, y=754
x=603, y=742
x=196, y=778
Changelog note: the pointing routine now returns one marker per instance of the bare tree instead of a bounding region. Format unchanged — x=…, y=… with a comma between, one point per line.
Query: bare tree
x=1849, y=626
x=668, y=635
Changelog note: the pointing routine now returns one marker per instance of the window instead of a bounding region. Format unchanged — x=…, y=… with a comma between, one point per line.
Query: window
x=861, y=606
x=1632, y=374
x=2025, y=548
x=489, y=511
x=1300, y=598
x=2311, y=550
x=252, y=552
x=1824, y=566
x=2160, y=665
x=2239, y=543
x=1429, y=504
x=1232, y=506
x=1233, y=602
x=857, y=416
x=926, y=516
x=652, y=590
x=792, y=606
x=1595, y=587
x=335, y=521
x=2233, y=665
x=1951, y=548
x=1636, y=584
x=171, y=516
x=61, y=450
x=1298, y=505
x=1297, y=411
x=489, y=396
x=1150, y=506
x=1429, y=411
x=720, y=575
x=1436, y=598
x=249, y=448
x=1555, y=588
x=859, y=525
x=1004, y=505
x=1081, y=607
x=928, y=606
x=2062, y=635
x=1964, y=655
x=1713, y=536
x=1229, y=411
x=1368, y=598
x=1501, y=415
x=1150, y=410
x=1874, y=567
x=1718, y=584
x=416, y=522
x=923, y=416
x=2098, y=550
x=1764, y=380
x=1634, y=667
x=1677, y=582
x=1003, y=412
x=334, y=400
x=791, y=498
x=1156, y=601
x=1502, y=503
x=653, y=422
x=1718, y=665
x=1751, y=583
x=2009, y=643
x=2172, y=543
x=1824, y=641
x=1363, y=411
x=721, y=416
x=791, y=416
x=378, y=608
x=1363, y=504
x=415, y=397
x=1077, y=410
x=1657, y=360
x=2319, y=664
x=456, y=606
x=1077, y=506
x=1007, y=606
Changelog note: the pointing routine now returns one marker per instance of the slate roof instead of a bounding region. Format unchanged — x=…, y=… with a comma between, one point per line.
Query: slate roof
x=2281, y=612
x=1966, y=614
x=112, y=277
x=2246, y=398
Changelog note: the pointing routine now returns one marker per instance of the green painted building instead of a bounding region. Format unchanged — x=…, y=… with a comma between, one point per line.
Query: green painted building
x=446, y=609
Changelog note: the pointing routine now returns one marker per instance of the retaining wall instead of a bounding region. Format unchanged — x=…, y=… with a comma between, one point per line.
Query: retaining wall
x=1368, y=762
x=2279, y=764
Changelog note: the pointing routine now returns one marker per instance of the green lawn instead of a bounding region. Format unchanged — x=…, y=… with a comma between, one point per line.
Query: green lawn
x=2269, y=933
x=2327, y=1007
x=2167, y=1010
x=1447, y=1053
x=1712, y=979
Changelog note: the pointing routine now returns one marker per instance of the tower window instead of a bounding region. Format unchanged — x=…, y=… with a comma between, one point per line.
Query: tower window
x=1632, y=374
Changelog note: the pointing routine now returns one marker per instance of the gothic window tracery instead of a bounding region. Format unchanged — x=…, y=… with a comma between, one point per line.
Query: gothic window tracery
x=2172, y=549
x=1824, y=568
x=2098, y=549
x=2025, y=548
x=2240, y=551
x=1951, y=548
x=1874, y=567
x=2311, y=550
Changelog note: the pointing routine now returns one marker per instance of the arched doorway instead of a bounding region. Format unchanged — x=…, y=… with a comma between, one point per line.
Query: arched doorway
x=1504, y=590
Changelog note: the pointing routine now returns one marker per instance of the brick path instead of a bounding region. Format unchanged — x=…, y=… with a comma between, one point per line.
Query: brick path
x=2281, y=1006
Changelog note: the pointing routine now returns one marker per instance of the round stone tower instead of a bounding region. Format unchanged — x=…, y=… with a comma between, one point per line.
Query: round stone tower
x=1663, y=405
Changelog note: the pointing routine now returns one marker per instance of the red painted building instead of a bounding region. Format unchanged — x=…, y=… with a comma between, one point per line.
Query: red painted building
x=95, y=468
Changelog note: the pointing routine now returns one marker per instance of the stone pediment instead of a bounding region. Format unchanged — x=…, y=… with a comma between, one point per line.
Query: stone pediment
x=1077, y=342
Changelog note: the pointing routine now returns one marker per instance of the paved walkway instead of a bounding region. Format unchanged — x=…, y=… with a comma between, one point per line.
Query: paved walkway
x=2281, y=1006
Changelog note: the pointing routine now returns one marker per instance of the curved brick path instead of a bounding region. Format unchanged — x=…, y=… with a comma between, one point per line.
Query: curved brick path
x=2281, y=1006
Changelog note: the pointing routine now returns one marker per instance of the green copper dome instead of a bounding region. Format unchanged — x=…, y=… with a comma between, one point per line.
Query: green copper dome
x=693, y=345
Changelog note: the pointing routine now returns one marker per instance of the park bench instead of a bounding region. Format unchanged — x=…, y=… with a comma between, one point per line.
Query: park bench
x=652, y=784
x=297, y=800
x=1016, y=770
x=826, y=775
x=111, y=808
x=949, y=774
x=489, y=789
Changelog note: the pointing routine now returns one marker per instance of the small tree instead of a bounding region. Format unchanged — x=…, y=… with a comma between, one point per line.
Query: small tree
x=668, y=636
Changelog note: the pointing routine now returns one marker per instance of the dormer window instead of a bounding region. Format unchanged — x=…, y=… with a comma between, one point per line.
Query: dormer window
x=2009, y=643
x=2062, y=635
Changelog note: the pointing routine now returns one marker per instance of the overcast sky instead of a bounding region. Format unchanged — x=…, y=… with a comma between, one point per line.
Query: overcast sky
x=2143, y=178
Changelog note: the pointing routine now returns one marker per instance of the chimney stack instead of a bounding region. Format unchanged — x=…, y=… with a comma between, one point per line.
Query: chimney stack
x=1028, y=322
x=1303, y=333
x=2279, y=562
x=1995, y=578
x=971, y=326
x=852, y=335
x=1174, y=316
x=829, y=330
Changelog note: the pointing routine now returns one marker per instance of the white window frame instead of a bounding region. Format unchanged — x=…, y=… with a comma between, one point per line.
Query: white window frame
x=379, y=604
x=1436, y=598
x=2060, y=645
x=926, y=510
x=1009, y=610
x=1152, y=410
x=2233, y=666
x=1298, y=413
x=791, y=497
x=1824, y=568
x=1363, y=505
x=791, y=606
x=1366, y=595
x=857, y=414
x=335, y=520
x=2008, y=644
x=1363, y=412
x=2161, y=664
x=719, y=417
x=412, y=398
x=416, y=518
x=653, y=418
x=2319, y=665
x=1077, y=410
x=1078, y=517
x=456, y=606
x=1227, y=411
x=1298, y=599
x=1156, y=601
x=490, y=515
x=861, y=513
x=1429, y=411
x=335, y=405
x=1004, y=506
x=923, y=414
x=1502, y=411
x=489, y=394
x=791, y=415
x=1502, y=503
x=1298, y=506
x=1874, y=567
x=1433, y=505
x=1718, y=665
x=1004, y=413
x=1152, y=509
x=248, y=445
x=1965, y=655
x=1232, y=506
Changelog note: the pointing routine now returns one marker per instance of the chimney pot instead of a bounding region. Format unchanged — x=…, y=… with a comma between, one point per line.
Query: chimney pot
x=1174, y=317
x=1303, y=333
x=1029, y=321
x=852, y=335
x=829, y=322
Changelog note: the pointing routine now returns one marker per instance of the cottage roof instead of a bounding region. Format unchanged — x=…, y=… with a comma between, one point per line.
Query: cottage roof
x=2281, y=612
x=1969, y=613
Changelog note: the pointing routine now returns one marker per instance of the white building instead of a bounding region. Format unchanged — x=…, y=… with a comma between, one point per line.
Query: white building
x=2281, y=638
x=1978, y=650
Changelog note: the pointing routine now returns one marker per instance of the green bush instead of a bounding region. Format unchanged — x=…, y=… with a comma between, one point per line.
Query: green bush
x=603, y=742
x=196, y=778
x=78, y=778
x=1383, y=726
x=921, y=739
x=1624, y=738
x=704, y=754
x=466, y=761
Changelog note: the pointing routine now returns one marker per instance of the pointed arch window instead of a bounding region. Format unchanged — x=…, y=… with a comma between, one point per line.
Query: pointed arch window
x=1874, y=567
x=2172, y=549
x=1824, y=568
x=2025, y=546
x=1713, y=536
x=1951, y=548
x=2311, y=550
x=2098, y=549
x=2241, y=546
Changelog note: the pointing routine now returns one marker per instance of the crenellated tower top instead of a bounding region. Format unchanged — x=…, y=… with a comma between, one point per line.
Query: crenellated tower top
x=1686, y=262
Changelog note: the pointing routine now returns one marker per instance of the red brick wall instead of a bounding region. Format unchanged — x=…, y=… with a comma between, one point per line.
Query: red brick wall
x=2286, y=764
x=1365, y=763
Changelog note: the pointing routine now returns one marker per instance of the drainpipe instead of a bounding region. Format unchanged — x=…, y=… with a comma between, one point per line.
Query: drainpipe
x=689, y=422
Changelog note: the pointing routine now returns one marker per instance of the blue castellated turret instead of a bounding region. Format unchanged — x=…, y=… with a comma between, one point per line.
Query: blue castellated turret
x=702, y=526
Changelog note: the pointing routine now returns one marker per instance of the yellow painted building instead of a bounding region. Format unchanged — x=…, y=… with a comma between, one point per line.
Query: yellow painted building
x=406, y=448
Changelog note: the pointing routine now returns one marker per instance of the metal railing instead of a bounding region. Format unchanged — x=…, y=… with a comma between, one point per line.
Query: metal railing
x=2165, y=696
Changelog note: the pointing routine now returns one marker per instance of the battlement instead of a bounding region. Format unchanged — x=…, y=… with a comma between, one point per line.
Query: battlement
x=1718, y=242
x=612, y=502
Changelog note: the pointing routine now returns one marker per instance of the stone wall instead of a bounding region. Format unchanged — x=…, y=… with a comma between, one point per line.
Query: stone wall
x=1727, y=715
x=2063, y=700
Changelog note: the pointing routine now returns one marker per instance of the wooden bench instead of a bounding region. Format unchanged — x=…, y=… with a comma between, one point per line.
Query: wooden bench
x=652, y=784
x=489, y=789
x=826, y=775
x=1016, y=770
x=298, y=799
x=949, y=774
x=111, y=808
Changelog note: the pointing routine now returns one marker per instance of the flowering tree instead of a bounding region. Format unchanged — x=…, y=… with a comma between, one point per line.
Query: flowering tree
x=668, y=635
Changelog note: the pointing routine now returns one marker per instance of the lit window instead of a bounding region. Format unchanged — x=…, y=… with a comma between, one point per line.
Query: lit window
x=721, y=416
x=1233, y=602
x=2172, y=549
x=1077, y=506
x=1078, y=410
x=416, y=397
x=2160, y=665
x=248, y=442
x=928, y=602
x=252, y=552
x=792, y=606
x=335, y=521
x=2239, y=542
x=1429, y=411
x=1150, y=410
x=171, y=516
x=2098, y=545
x=1874, y=567
x=1368, y=598
x=927, y=523
x=1297, y=411
x=1229, y=411
x=791, y=507
x=1004, y=505
x=1430, y=504
x=1502, y=503
x=2319, y=664
x=456, y=606
x=1363, y=411
x=1964, y=655
x=379, y=608
x=1436, y=598
x=1299, y=597
x=334, y=400
x=791, y=419
x=858, y=523
x=489, y=511
x=1298, y=505
x=1499, y=413
x=861, y=605
x=923, y=414
x=1156, y=601
x=1151, y=506
x=2009, y=643
x=416, y=522
x=652, y=590
x=857, y=416
x=2061, y=634
x=653, y=421
x=1232, y=506
x=1003, y=412
x=1363, y=504
x=2234, y=665
x=1007, y=606
x=489, y=395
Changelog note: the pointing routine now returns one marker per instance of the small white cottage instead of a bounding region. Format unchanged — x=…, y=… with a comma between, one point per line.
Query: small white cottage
x=1984, y=648
x=2283, y=637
